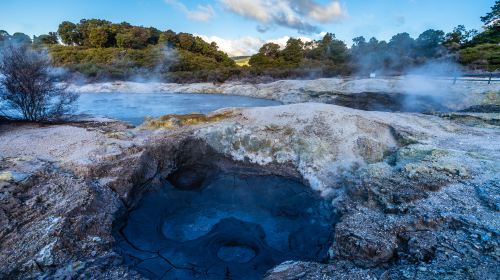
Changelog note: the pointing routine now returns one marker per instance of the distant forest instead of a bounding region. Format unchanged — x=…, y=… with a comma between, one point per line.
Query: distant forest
x=99, y=49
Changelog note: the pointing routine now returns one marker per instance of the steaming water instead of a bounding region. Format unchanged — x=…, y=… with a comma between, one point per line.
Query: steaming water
x=134, y=107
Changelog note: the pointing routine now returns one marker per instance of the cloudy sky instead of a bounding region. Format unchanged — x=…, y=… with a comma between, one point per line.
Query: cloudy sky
x=240, y=27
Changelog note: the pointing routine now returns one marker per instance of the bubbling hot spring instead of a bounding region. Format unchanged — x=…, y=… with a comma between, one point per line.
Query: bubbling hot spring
x=237, y=222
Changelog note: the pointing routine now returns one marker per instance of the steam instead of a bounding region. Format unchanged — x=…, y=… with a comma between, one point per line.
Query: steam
x=432, y=87
x=427, y=80
x=159, y=72
x=168, y=58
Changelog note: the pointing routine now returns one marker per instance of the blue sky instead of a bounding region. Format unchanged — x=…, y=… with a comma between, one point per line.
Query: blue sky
x=240, y=26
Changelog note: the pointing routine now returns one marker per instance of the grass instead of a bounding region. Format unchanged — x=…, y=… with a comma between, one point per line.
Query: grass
x=486, y=56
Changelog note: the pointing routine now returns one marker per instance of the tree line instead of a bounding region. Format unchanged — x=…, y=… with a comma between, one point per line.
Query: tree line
x=101, y=49
x=330, y=56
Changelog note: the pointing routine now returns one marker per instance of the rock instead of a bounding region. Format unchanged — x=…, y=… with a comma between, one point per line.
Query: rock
x=412, y=191
x=188, y=178
x=421, y=245
x=309, y=270
x=365, y=239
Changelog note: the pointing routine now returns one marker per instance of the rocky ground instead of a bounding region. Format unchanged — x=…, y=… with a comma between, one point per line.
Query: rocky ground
x=417, y=195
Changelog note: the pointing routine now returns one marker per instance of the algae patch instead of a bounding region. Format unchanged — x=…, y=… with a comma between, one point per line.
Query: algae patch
x=6, y=176
x=172, y=121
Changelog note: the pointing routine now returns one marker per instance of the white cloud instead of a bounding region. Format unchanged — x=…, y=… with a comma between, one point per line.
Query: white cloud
x=328, y=13
x=254, y=9
x=296, y=14
x=245, y=45
x=202, y=12
x=239, y=47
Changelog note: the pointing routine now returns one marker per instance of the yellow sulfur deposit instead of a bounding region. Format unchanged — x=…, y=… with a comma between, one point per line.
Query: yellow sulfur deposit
x=175, y=121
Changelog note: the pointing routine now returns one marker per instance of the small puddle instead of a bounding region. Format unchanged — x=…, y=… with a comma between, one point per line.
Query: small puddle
x=225, y=225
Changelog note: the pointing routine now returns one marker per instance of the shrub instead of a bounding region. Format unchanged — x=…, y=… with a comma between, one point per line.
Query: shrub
x=30, y=85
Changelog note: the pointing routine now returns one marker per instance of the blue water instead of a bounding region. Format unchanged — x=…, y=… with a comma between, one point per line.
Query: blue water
x=134, y=107
x=229, y=226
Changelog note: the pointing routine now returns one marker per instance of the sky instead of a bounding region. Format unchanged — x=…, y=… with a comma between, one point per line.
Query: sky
x=240, y=27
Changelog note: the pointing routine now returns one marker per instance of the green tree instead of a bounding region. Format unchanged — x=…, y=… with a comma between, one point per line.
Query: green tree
x=402, y=44
x=460, y=35
x=98, y=37
x=85, y=28
x=46, y=39
x=168, y=37
x=20, y=38
x=69, y=34
x=293, y=52
x=185, y=41
x=4, y=36
x=268, y=56
x=491, y=34
x=271, y=50
x=371, y=56
x=492, y=19
x=338, y=52
x=134, y=38
x=429, y=43
x=328, y=48
x=359, y=42
x=154, y=36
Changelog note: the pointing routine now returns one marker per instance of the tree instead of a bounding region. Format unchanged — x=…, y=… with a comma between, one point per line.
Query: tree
x=402, y=44
x=371, y=56
x=293, y=52
x=154, y=36
x=492, y=19
x=86, y=26
x=460, y=35
x=68, y=33
x=185, y=41
x=359, y=42
x=268, y=56
x=401, y=51
x=134, y=38
x=491, y=33
x=46, y=39
x=20, y=38
x=337, y=51
x=168, y=38
x=429, y=43
x=29, y=85
x=98, y=37
x=271, y=50
x=4, y=36
x=328, y=48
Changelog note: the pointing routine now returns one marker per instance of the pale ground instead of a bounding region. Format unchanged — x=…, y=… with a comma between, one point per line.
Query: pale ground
x=325, y=142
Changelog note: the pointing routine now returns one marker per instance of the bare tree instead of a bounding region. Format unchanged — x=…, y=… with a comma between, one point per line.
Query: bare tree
x=29, y=84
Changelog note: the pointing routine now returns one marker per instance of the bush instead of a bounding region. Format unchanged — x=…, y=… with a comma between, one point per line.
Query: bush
x=485, y=57
x=30, y=85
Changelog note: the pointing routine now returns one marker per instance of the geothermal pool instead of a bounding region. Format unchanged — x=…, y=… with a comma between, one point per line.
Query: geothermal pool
x=200, y=224
x=134, y=107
